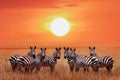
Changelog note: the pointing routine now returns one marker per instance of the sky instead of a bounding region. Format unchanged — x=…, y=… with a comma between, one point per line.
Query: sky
x=27, y=22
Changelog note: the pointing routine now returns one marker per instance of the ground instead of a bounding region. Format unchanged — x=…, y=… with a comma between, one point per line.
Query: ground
x=62, y=71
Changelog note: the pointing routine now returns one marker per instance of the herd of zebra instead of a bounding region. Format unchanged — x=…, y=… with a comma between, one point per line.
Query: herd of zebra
x=31, y=61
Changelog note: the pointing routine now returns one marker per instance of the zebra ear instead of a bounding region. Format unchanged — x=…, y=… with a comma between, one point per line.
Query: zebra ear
x=94, y=48
x=60, y=48
x=45, y=48
x=68, y=48
x=89, y=47
x=41, y=49
x=71, y=49
x=30, y=47
x=56, y=49
x=64, y=48
x=74, y=49
x=35, y=47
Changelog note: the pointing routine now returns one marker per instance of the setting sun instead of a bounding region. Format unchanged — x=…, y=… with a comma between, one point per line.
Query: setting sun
x=60, y=27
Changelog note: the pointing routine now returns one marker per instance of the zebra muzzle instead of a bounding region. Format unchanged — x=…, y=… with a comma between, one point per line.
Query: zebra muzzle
x=58, y=57
x=34, y=56
x=65, y=57
x=43, y=57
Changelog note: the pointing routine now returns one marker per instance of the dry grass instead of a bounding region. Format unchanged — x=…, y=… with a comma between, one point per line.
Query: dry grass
x=61, y=72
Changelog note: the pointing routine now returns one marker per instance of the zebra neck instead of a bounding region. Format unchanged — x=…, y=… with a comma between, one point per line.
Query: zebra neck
x=93, y=54
x=29, y=53
x=54, y=58
x=40, y=58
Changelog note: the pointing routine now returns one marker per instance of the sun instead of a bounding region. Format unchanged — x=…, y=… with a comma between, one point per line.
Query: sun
x=60, y=27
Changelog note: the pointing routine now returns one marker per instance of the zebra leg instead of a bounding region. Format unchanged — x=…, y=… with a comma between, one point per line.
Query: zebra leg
x=37, y=68
x=26, y=69
x=52, y=68
x=13, y=67
x=71, y=68
x=95, y=68
x=77, y=68
x=109, y=67
x=32, y=68
x=85, y=69
x=20, y=68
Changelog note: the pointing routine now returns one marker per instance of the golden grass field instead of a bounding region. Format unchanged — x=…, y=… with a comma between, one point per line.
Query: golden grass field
x=61, y=71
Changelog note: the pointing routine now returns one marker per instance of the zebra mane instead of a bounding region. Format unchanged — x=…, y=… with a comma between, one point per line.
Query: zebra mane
x=54, y=54
x=76, y=54
x=29, y=53
x=39, y=54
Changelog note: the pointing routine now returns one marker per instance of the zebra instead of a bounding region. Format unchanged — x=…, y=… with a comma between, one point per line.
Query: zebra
x=67, y=56
x=22, y=61
x=72, y=62
x=37, y=62
x=51, y=61
x=82, y=60
x=103, y=61
x=13, y=60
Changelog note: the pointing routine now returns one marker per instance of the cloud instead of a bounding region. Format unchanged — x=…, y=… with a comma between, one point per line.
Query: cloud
x=18, y=4
x=6, y=4
x=70, y=5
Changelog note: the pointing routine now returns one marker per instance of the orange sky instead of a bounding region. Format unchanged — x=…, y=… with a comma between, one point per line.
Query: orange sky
x=26, y=22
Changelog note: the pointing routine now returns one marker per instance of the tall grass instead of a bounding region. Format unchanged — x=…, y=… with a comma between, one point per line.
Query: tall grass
x=61, y=72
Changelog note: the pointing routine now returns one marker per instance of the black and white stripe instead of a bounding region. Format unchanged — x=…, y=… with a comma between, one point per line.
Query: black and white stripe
x=13, y=61
x=103, y=61
x=50, y=61
x=77, y=61
x=83, y=61
x=23, y=61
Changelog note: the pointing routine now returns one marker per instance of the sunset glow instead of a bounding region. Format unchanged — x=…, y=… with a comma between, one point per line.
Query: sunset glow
x=28, y=22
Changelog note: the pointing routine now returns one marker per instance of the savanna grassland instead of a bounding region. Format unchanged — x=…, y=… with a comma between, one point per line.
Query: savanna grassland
x=61, y=71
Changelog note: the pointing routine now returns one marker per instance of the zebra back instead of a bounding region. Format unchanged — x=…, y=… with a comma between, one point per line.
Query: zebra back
x=13, y=59
x=23, y=61
x=105, y=60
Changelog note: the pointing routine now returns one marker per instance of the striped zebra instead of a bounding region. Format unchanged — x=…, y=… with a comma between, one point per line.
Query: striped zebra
x=22, y=61
x=67, y=56
x=83, y=61
x=103, y=61
x=51, y=61
x=72, y=62
x=13, y=60
x=37, y=62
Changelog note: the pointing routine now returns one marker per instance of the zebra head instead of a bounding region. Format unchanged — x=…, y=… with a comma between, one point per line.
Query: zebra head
x=32, y=52
x=66, y=52
x=92, y=53
x=42, y=54
x=72, y=54
x=57, y=53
